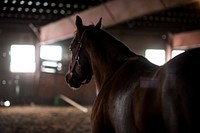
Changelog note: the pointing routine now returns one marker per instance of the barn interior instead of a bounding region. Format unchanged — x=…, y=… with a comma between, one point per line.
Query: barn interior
x=38, y=76
x=35, y=37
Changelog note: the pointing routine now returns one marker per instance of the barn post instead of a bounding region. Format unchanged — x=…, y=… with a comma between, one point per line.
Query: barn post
x=169, y=47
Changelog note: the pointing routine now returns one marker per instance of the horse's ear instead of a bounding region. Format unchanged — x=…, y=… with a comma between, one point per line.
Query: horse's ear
x=98, y=25
x=79, y=23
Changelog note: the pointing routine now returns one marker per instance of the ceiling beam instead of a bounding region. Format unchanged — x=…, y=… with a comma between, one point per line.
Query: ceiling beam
x=186, y=40
x=112, y=12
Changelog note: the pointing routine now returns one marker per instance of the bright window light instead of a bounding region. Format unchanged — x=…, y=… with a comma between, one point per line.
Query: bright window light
x=7, y=103
x=156, y=56
x=50, y=52
x=49, y=63
x=176, y=52
x=48, y=70
x=22, y=58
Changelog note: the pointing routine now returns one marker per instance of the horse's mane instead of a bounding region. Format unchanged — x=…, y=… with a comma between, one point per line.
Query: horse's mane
x=108, y=40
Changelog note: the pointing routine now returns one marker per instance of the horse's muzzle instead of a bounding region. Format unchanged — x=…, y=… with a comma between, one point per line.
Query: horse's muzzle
x=71, y=82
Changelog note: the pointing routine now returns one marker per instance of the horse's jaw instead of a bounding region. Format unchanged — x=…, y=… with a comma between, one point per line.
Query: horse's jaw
x=76, y=84
x=73, y=88
x=71, y=82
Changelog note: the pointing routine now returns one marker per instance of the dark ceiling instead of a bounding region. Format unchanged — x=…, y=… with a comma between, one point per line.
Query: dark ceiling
x=41, y=12
x=178, y=19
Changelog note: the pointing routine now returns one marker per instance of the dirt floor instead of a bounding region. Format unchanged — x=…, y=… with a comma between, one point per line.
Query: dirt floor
x=43, y=119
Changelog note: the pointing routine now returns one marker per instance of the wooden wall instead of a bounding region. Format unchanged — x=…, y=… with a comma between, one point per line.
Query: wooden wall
x=17, y=87
x=43, y=88
x=139, y=40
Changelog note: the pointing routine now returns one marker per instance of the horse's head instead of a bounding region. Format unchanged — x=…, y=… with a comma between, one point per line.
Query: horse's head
x=80, y=70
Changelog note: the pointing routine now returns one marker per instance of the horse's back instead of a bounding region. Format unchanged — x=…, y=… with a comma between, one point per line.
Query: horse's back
x=161, y=99
x=143, y=98
x=180, y=87
x=124, y=93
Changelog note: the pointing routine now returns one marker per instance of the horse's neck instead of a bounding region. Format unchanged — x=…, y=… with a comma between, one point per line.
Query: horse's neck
x=106, y=59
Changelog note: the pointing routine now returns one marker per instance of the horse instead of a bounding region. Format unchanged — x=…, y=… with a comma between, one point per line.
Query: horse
x=134, y=95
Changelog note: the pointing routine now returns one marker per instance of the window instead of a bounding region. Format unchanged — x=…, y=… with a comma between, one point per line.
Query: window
x=156, y=56
x=22, y=58
x=51, y=55
x=176, y=52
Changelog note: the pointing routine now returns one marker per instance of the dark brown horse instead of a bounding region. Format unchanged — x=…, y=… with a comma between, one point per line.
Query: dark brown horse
x=135, y=96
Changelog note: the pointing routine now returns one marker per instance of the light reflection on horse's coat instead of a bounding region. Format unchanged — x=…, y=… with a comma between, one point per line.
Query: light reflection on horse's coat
x=135, y=96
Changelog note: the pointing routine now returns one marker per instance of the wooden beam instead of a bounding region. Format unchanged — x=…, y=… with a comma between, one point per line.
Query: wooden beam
x=169, y=47
x=186, y=40
x=112, y=12
x=73, y=103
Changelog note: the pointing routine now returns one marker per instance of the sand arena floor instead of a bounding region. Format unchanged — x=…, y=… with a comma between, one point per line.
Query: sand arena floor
x=44, y=119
